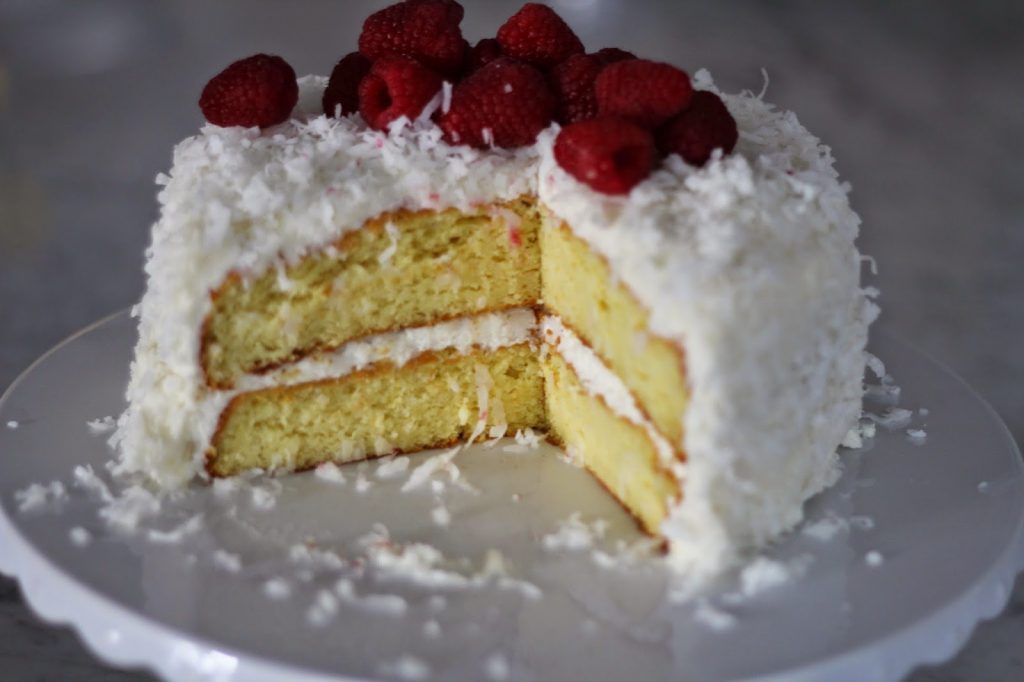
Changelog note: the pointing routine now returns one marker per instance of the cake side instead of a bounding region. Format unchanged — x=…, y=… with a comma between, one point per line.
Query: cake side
x=749, y=265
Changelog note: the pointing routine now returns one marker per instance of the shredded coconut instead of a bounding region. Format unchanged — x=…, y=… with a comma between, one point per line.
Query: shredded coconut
x=713, y=617
x=277, y=589
x=37, y=496
x=405, y=667
x=574, y=534
x=393, y=467
x=330, y=472
x=80, y=537
x=102, y=425
x=227, y=561
x=917, y=436
x=496, y=667
x=874, y=559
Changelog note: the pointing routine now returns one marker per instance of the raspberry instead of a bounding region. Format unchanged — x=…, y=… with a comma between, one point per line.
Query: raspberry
x=343, y=87
x=572, y=81
x=484, y=52
x=648, y=93
x=609, y=55
x=537, y=35
x=257, y=91
x=505, y=103
x=704, y=126
x=426, y=30
x=611, y=155
x=396, y=86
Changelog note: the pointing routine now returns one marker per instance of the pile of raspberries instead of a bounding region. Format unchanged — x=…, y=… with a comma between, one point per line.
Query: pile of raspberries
x=619, y=115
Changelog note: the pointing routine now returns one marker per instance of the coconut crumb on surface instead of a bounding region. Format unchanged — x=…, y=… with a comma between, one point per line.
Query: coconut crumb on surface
x=37, y=496
x=826, y=528
x=177, y=534
x=432, y=629
x=227, y=561
x=392, y=467
x=102, y=425
x=917, y=436
x=79, y=536
x=277, y=589
x=574, y=534
x=496, y=667
x=405, y=667
x=712, y=617
x=874, y=558
x=330, y=472
x=763, y=574
x=12, y=425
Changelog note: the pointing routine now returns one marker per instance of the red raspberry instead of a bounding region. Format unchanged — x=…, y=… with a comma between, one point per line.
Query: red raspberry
x=257, y=91
x=611, y=155
x=508, y=98
x=572, y=81
x=706, y=125
x=537, y=35
x=343, y=87
x=646, y=92
x=484, y=52
x=396, y=86
x=426, y=30
x=609, y=55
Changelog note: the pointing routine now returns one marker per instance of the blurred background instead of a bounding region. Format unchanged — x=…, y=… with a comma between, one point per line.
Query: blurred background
x=922, y=103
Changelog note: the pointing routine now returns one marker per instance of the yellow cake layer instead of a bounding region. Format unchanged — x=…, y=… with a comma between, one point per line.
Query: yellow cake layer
x=619, y=453
x=399, y=270
x=431, y=401
x=577, y=285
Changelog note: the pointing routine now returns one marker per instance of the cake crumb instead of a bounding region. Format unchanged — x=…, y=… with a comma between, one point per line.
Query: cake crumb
x=80, y=537
x=406, y=667
x=277, y=589
x=874, y=559
x=496, y=667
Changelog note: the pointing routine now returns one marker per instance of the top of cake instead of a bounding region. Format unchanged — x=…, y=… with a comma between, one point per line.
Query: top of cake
x=723, y=233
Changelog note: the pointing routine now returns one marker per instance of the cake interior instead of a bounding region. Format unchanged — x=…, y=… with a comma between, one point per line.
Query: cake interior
x=408, y=269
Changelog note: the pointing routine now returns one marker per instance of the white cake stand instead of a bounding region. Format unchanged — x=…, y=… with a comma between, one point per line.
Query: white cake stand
x=926, y=541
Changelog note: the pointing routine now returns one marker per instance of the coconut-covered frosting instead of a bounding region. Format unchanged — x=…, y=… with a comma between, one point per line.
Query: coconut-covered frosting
x=748, y=263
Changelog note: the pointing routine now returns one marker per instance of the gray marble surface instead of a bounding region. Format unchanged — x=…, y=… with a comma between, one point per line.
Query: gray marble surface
x=921, y=102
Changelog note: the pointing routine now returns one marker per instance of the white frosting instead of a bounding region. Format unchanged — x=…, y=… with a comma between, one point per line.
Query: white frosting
x=601, y=381
x=748, y=264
